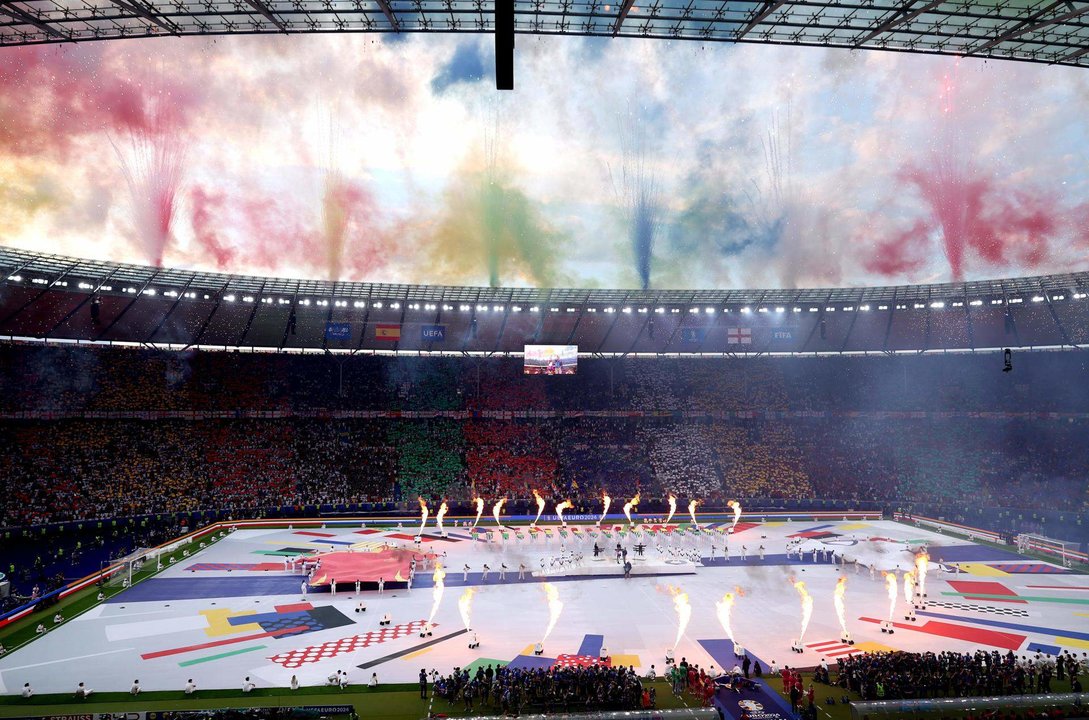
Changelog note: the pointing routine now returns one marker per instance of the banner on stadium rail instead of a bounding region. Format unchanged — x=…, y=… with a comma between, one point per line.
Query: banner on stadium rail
x=739, y=336
x=338, y=331
x=693, y=335
x=433, y=333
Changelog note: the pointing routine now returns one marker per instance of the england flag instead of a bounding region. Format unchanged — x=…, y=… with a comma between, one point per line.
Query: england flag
x=739, y=336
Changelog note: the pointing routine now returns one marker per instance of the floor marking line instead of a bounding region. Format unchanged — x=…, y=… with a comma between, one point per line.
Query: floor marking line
x=409, y=651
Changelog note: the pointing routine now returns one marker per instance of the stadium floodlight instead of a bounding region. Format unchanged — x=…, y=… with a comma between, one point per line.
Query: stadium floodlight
x=1058, y=297
x=396, y=306
x=610, y=310
x=149, y=291
x=882, y=307
x=780, y=309
x=107, y=288
x=447, y=307
x=627, y=310
x=84, y=286
x=797, y=309
x=642, y=310
x=15, y=278
x=323, y=303
x=709, y=311
x=829, y=309
x=1079, y=296
x=1038, y=298
x=555, y=309
x=996, y=302
x=864, y=308
x=1014, y=301
x=693, y=310
x=304, y=302
x=377, y=304
x=465, y=308
x=975, y=303
x=482, y=308
x=813, y=309
x=958, y=304
x=248, y=299
x=229, y=298
x=41, y=281
x=762, y=309
x=64, y=283
x=938, y=304
x=920, y=306
x=191, y=295
x=570, y=309
x=675, y=310
x=535, y=309
x=516, y=308
x=593, y=310
x=359, y=304
x=849, y=308
x=500, y=308
x=414, y=306
x=746, y=310
x=659, y=310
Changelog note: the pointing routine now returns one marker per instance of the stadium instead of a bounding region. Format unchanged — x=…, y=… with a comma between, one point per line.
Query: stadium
x=690, y=360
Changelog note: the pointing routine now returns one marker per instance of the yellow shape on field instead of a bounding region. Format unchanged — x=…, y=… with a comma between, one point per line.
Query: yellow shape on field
x=527, y=650
x=981, y=570
x=874, y=647
x=1082, y=614
x=418, y=653
x=853, y=526
x=1072, y=642
x=368, y=545
x=218, y=625
x=626, y=660
x=775, y=523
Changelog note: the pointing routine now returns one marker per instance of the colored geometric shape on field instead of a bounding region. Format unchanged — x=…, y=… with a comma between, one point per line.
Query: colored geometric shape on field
x=531, y=662
x=626, y=661
x=1072, y=642
x=805, y=533
x=1041, y=648
x=1081, y=614
x=315, y=653
x=981, y=590
x=367, y=531
x=571, y=661
x=775, y=523
x=314, y=534
x=293, y=607
x=970, y=553
x=285, y=552
x=368, y=545
x=216, y=643
x=1026, y=598
x=979, y=636
x=334, y=542
x=743, y=526
x=410, y=538
x=722, y=652
x=591, y=644
x=833, y=649
x=853, y=526
x=219, y=622
x=1030, y=568
x=230, y=567
x=483, y=663
x=1010, y=626
x=219, y=656
x=874, y=647
x=1058, y=587
x=417, y=653
x=981, y=570
x=527, y=650
x=326, y=617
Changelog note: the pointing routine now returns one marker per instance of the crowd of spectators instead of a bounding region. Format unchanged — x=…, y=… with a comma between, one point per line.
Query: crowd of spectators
x=558, y=689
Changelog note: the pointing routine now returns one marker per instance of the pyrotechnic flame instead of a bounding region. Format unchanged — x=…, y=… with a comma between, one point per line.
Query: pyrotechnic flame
x=921, y=562
x=465, y=604
x=672, y=508
x=837, y=600
x=565, y=505
x=807, y=606
x=440, y=515
x=684, y=611
x=608, y=501
x=692, y=511
x=436, y=592
x=497, y=509
x=737, y=511
x=555, y=607
x=725, y=606
x=479, y=510
x=540, y=507
x=423, y=516
x=890, y=583
x=629, y=505
x=909, y=585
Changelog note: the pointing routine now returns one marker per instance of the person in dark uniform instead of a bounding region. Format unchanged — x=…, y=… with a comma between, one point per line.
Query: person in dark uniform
x=423, y=684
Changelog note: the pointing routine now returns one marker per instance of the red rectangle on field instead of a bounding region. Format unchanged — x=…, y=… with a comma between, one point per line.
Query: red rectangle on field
x=297, y=607
x=979, y=636
x=314, y=534
x=217, y=643
x=982, y=587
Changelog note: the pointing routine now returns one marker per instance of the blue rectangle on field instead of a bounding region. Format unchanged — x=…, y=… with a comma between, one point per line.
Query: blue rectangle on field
x=433, y=333
x=591, y=645
x=338, y=331
x=1041, y=648
x=190, y=588
x=531, y=662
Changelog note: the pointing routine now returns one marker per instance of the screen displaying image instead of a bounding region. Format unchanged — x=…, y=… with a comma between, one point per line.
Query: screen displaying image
x=551, y=359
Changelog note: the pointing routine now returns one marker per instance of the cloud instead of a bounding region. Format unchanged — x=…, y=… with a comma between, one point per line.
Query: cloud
x=467, y=65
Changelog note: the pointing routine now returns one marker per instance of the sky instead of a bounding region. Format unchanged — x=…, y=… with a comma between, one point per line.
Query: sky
x=615, y=163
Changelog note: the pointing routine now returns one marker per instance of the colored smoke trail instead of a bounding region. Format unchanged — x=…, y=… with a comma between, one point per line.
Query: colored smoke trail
x=724, y=608
x=423, y=516
x=436, y=593
x=891, y=584
x=807, y=607
x=638, y=189
x=608, y=501
x=838, y=602
x=909, y=585
x=736, y=506
x=634, y=502
x=921, y=563
x=497, y=509
x=440, y=515
x=540, y=507
x=672, y=508
x=153, y=163
x=684, y=611
x=479, y=510
x=565, y=505
x=692, y=511
x=465, y=606
x=555, y=607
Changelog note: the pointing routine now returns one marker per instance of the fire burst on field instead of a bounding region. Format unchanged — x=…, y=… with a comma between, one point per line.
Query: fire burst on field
x=921, y=562
x=465, y=605
x=807, y=607
x=672, y=508
x=540, y=507
x=608, y=501
x=634, y=502
x=736, y=507
x=692, y=511
x=684, y=611
x=423, y=516
x=909, y=585
x=498, y=509
x=565, y=505
x=724, y=608
x=838, y=602
x=439, y=516
x=890, y=584
x=436, y=593
x=479, y=510
x=555, y=607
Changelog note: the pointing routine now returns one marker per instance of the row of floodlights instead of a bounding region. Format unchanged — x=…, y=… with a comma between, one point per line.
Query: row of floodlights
x=379, y=304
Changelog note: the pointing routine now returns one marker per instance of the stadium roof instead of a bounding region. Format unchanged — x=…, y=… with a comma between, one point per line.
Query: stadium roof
x=1047, y=31
x=51, y=297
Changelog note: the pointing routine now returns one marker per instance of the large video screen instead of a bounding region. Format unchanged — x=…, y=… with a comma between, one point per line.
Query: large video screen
x=551, y=359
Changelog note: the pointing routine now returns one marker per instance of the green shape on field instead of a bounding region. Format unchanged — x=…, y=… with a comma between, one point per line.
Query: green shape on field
x=1030, y=598
x=485, y=662
x=220, y=656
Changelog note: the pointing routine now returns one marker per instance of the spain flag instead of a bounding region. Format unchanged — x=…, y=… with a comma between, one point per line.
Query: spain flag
x=391, y=333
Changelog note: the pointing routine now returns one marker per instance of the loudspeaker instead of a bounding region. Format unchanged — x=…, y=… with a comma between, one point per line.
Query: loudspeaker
x=504, y=44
